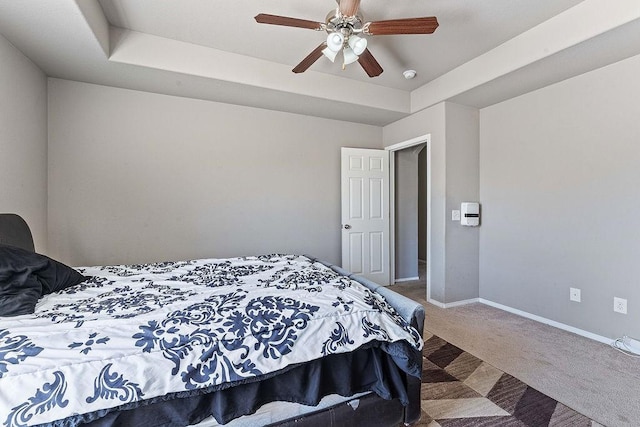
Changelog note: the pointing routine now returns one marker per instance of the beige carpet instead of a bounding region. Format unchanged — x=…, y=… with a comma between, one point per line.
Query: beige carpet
x=583, y=374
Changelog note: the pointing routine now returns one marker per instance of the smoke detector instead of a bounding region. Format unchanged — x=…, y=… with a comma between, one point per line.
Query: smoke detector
x=409, y=74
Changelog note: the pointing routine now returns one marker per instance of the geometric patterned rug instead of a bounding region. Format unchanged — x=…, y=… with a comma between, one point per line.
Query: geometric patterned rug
x=460, y=390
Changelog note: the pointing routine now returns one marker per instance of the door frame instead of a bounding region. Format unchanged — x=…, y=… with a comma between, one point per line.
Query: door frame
x=423, y=139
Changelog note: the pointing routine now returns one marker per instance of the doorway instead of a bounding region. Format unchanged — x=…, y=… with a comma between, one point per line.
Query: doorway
x=407, y=214
x=410, y=194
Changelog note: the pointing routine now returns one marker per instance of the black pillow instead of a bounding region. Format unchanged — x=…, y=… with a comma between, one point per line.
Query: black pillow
x=26, y=276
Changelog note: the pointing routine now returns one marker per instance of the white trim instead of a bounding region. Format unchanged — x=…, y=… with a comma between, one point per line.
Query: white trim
x=409, y=143
x=407, y=279
x=436, y=303
x=422, y=139
x=392, y=216
x=549, y=322
x=527, y=315
x=429, y=215
x=452, y=304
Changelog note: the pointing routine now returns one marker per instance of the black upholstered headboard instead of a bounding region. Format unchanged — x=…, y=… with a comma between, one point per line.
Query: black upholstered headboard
x=14, y=231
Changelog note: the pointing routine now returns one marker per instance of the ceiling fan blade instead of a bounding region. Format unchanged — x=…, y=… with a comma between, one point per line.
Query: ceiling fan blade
x=369, y=64
x=310, y=59
x=264, y=18
x=349, y=7
x=425, y=25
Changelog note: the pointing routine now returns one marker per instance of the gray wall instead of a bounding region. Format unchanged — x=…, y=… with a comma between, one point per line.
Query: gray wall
x=463, y=164
x=23, y=141
x=454, y=178
x=406, y=213
x=560, y=169
x=136, y=177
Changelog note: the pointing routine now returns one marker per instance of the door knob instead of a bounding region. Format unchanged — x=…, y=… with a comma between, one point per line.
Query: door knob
x=347, y=226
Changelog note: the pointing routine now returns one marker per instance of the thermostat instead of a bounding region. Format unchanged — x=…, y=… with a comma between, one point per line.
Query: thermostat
x=470, y=214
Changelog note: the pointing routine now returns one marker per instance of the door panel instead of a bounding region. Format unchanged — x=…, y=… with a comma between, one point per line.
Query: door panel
x=376, y=202
x=376, y=252
x=356, y=187
x=356, y=251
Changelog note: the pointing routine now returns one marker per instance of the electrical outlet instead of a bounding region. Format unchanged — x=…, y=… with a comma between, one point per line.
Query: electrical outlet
x=574, y=294
x=620, y=305
x=455, y=215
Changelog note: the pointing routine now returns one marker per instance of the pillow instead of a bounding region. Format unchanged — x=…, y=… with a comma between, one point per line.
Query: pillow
x=26, y=276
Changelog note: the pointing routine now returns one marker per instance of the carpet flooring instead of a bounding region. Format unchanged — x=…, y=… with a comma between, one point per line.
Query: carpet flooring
x=460, y=390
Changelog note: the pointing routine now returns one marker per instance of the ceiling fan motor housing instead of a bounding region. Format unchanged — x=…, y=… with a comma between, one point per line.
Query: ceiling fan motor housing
x=346, y=25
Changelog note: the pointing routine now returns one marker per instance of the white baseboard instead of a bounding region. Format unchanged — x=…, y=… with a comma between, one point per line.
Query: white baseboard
x=435, y=302
x=452, y=304
x=534, y=317
x=407, y=279
x=546, y=321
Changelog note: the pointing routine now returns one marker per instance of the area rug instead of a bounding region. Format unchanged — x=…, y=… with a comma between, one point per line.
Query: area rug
x=458, y=389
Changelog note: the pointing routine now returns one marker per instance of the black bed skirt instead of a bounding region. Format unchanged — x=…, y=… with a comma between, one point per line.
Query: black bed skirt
x=370, y=368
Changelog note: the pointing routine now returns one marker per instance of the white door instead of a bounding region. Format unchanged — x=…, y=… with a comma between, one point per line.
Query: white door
x=365, y=213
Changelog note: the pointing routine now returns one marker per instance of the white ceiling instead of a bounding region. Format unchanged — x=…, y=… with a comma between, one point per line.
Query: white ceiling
x=483, y=52
x=467, y=29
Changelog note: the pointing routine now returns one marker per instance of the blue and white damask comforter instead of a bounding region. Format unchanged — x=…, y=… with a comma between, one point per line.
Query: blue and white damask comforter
x=137, y=332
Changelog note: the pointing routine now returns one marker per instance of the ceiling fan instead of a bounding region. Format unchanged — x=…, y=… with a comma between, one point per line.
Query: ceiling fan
x=346, y=29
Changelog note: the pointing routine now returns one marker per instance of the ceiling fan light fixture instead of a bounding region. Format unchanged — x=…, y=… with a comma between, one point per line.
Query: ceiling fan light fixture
x=331, y=54
x=358, y=44
x=349, y=56
x=335, y=41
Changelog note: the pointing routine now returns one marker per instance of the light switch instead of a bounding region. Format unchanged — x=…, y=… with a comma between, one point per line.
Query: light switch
x=455, y=215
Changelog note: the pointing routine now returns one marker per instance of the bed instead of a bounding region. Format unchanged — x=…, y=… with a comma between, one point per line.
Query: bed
x=209, y=341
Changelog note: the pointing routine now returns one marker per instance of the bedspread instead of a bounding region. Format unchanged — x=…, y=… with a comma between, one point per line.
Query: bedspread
x=137, y=332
